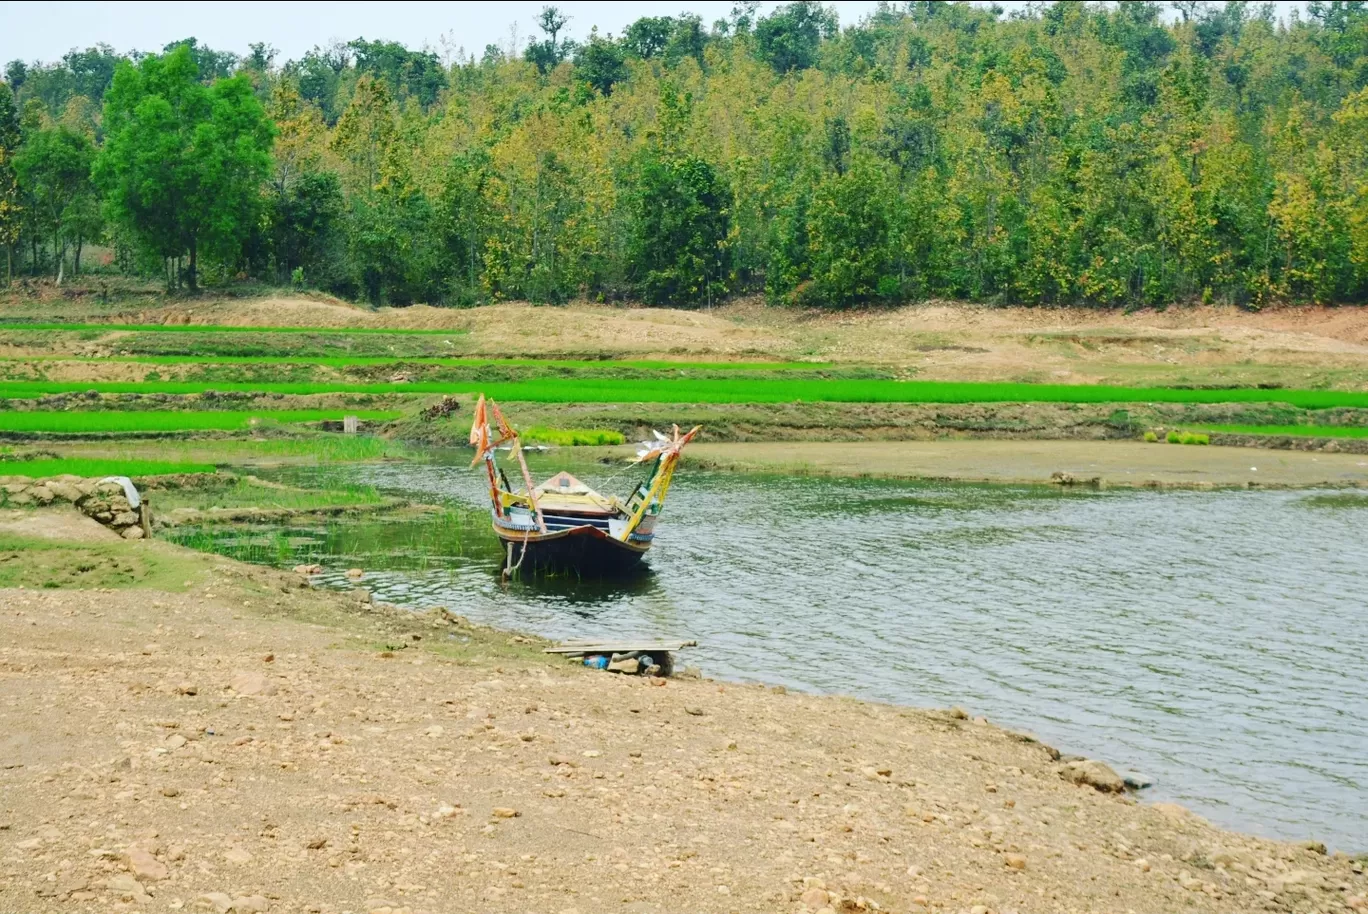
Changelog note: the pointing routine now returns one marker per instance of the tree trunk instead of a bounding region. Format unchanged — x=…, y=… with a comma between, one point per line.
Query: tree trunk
x=60, y=254
x=76, y=264
x=191, y=280
x=9, y=265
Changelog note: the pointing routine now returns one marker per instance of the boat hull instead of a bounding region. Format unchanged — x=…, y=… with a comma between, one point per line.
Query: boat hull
x=586, y=550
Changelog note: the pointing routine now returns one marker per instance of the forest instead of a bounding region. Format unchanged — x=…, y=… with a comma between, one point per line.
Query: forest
x=1109, y=155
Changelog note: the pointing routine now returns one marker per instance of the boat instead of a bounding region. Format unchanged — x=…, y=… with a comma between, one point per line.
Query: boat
x=562, y=524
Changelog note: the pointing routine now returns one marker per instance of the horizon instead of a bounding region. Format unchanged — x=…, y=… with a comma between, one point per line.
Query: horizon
x=293, y=29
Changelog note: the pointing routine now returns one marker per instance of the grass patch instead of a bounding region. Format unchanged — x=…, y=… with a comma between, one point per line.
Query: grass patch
x=251, y=493
x=1307, y=431
x=75, y=423
x=90, y=467
x=572, y=437
x=730, y=390
x=52, y=564
x=319, y=449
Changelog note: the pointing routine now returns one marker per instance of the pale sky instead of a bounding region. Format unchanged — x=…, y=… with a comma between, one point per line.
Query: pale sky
x=45, y=31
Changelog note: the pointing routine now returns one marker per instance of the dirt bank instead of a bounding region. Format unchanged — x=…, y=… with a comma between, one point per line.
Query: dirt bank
x=1291, y=346
x=1113, y=463
x=237, y=742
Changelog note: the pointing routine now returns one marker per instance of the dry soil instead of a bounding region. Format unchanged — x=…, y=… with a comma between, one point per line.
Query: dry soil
x=247, y=746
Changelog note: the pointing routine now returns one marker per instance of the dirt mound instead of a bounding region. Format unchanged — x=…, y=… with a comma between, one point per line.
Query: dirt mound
x=517, y=329
x=277, y=311
x=66, y=525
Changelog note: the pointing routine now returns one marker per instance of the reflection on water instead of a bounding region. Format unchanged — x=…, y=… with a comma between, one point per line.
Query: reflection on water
x=1215, y=641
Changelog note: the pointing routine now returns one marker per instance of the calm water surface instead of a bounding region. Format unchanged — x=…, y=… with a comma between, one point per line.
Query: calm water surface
x=1215, y=641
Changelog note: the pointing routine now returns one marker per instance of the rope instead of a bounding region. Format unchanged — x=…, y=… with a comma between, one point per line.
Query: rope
x=509, y=572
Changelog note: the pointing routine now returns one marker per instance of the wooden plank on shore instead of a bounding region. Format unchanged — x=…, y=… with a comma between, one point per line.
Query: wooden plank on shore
x=584, y=646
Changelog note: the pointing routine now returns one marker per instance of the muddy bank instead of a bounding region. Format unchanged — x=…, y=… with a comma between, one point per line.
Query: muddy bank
x=242, y=743
x=1108, y=463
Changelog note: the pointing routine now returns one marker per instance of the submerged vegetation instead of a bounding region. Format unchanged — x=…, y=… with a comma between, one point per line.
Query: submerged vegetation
x=390, y=542
x=1100, y=154
x=247, y=492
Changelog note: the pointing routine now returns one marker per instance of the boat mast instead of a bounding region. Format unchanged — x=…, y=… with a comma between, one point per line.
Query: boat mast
x=484, y=447
x=666, y=454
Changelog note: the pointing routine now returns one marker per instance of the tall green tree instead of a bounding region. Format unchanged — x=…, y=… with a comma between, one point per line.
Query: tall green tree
x=11, y=212
x=54, y=167
x=183, y=163
x=680, y=218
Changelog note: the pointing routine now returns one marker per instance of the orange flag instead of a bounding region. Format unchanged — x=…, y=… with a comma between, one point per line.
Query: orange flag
x=479, y=431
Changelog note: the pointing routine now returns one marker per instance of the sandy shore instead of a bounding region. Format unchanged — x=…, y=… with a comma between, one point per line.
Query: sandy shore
x=240, y=743
x=1114, y=463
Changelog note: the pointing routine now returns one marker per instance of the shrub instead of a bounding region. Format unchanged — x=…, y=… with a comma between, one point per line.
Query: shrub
x=1151, y=437
x=1174, y=438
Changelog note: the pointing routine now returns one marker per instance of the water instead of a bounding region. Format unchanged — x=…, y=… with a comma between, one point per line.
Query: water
x=1215, y=641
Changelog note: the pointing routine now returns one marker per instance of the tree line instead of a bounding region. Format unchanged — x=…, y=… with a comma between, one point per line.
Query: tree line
x=1068, y=153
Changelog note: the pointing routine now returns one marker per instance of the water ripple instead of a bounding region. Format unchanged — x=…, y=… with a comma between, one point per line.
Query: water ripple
x=1215, y=641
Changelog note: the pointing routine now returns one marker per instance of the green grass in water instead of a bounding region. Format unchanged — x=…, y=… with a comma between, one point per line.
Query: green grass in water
x=92, y=467
x=63, y=422
x=248, y=493
x=571, y=437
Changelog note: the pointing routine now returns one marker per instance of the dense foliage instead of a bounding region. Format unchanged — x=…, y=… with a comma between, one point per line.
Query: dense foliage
x=1072, y=153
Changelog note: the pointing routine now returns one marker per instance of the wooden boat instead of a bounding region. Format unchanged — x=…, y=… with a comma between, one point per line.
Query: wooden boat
x=563, y=524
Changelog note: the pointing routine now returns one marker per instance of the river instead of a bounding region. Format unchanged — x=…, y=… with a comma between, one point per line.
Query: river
x=1216, y=642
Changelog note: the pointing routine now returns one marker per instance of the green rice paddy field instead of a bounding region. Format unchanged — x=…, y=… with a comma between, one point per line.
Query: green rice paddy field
x=738, y=390
x=94, y=467
x=73, y=422
x=1301, y=431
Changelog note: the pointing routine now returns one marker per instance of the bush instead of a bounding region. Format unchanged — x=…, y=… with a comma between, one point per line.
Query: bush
x=1174, y=438
x=1151, y=437
x=1199, y=439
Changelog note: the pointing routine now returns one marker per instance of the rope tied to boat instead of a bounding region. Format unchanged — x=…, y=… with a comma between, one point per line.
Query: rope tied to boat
x=509, y=572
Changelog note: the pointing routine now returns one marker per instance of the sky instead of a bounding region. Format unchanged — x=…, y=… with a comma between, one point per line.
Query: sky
x=45, y=31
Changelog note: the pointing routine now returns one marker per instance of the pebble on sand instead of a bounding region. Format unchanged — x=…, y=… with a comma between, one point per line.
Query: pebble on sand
x=1095, y=774
x=237, y=855
x=251, y=683
x=144, y=866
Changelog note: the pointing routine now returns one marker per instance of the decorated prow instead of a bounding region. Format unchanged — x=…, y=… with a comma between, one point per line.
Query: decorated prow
x=563, y=524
